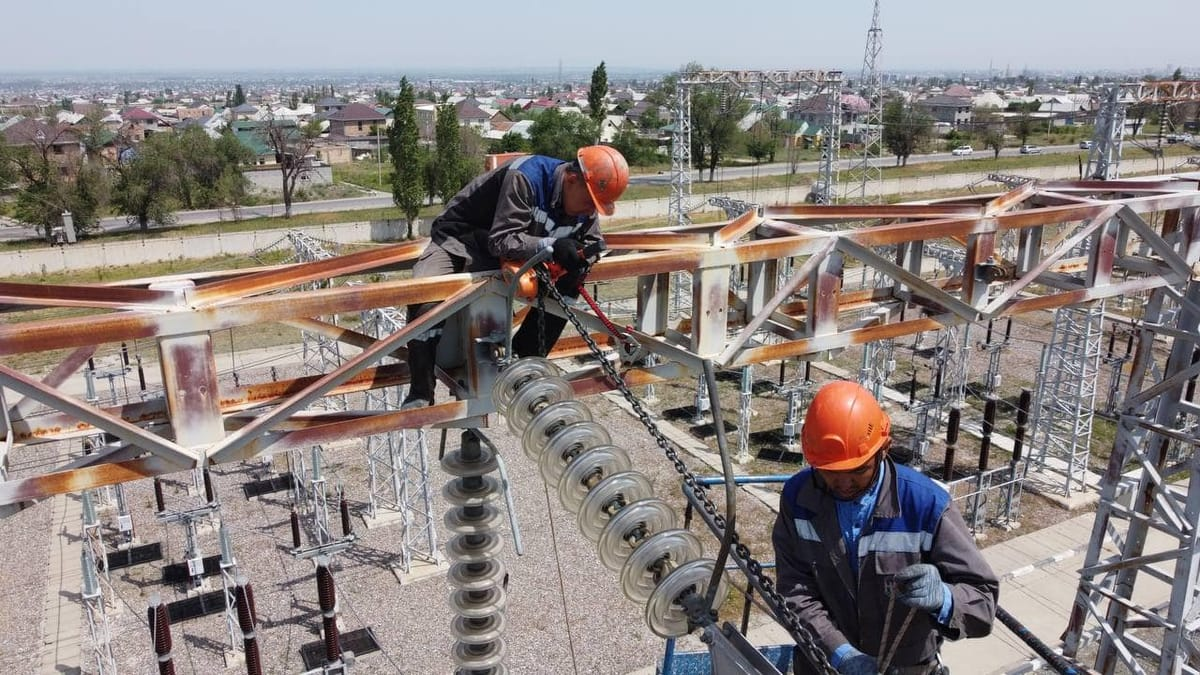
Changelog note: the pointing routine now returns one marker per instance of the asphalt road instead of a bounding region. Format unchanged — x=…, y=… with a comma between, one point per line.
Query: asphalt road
x=11, y=230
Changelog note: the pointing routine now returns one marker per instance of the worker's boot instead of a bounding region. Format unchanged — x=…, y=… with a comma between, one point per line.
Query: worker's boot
x=421, y=362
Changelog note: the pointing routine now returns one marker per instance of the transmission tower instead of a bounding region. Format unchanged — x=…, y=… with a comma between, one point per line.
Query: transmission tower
x=681, y=156
x=869, y=125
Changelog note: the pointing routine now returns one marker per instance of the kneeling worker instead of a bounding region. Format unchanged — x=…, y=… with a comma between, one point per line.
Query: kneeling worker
x=874, y=558
x=511, y=213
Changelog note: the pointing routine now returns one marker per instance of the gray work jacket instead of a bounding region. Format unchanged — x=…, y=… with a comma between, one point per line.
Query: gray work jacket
x=914, y=521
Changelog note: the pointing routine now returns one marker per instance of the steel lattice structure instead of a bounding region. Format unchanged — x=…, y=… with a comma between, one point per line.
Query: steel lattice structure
x=1104, y=158
x=1155, y=416
x=866, y=169
x=1077, y=242
x=1066, y=394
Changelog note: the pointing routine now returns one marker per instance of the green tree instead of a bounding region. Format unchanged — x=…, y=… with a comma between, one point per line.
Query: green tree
x=1177, y=75
x=597, y=93
x=557, y=135
x=511, y=142
x=50, y=185
x=239, y=96
x=989, y=128
x=292, y=146
x=451, y=170
x=632, y=147
x=404, y=144
x=651, y=119
x=760, y=146
x=147, y=186
x=715, y=115
x=905, y=128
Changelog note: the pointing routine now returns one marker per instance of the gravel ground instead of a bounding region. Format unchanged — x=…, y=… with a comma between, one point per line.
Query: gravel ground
x=24, y=561
x=565, y=613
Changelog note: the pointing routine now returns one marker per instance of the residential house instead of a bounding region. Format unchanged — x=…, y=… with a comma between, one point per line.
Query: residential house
x=58, y=143
x=814, y=110
x=194, y=111
x=471, y=115
x=329, y=105
x=610, y=126
x=355, y=121
x=137, y=123
x=252, y=135
x=951, y=110
x=244, y=111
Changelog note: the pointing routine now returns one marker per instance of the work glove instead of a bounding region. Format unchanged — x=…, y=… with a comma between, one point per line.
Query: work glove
x=858, y=663
x=566, y=254
x=920, y=587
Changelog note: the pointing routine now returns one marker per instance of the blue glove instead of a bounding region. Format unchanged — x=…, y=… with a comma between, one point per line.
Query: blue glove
x=920, y=587
x=854, y=662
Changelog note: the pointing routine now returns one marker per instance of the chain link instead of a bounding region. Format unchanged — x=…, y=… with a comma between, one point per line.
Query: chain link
x=785, y=612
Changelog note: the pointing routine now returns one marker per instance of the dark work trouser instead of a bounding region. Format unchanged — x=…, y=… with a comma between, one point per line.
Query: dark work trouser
x=422, y=349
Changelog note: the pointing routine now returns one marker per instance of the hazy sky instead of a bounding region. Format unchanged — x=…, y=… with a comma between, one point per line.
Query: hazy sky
x=424, y=35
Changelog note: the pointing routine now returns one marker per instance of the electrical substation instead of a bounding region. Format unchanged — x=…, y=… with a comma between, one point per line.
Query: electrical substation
x=178, y=504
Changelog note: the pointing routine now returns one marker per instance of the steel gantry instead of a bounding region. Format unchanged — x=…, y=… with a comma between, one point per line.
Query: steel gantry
x=827, y=81
x=1104, y=157
x=1077, y=242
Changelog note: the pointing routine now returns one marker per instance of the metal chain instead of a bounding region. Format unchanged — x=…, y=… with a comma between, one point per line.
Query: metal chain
x=785, y=612
x=541, y=315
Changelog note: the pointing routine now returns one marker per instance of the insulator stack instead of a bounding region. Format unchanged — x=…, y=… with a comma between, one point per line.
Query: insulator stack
x=327, y=599
x=635, y=532
x=246, y=622
x=160, y=633
x=476, y=571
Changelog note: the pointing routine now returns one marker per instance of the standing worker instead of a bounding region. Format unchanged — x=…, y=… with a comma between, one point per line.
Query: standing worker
x=874, y=558
x=510, y=213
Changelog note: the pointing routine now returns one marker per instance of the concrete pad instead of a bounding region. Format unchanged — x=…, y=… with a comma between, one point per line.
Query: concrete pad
x=420, y=569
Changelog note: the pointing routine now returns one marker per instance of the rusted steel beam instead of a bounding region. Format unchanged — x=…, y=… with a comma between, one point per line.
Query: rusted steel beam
x=869, y=212
x=738, y=227
x=130, y=433
x=99, y=297
x=271, y=280
x=1156, y=243
x=1008, y=200
x=822, y=343
x=1010, y=291
x=656, y=241
x=1119, y=186
x=633, y=377
x=84, y=478
x=916, y=284
x=1082, y=295
x=378, y=423
x=61, y=425
x=75, y=332
x=66, y=368
x=339, y=333
x=225, y=449
x=798, y=280
x=58, y=426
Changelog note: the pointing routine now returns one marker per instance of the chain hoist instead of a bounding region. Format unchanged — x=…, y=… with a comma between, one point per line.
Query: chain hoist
x=783, y=611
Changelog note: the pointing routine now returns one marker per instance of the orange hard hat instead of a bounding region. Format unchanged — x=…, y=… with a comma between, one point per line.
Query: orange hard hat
x=844, y=427
x=606, y=174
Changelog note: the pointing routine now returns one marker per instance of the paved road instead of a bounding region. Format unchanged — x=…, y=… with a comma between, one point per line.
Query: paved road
x=12, y=230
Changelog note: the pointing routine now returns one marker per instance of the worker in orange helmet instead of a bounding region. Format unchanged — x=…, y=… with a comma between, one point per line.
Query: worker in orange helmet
x=511, y=213
x=874, y=558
